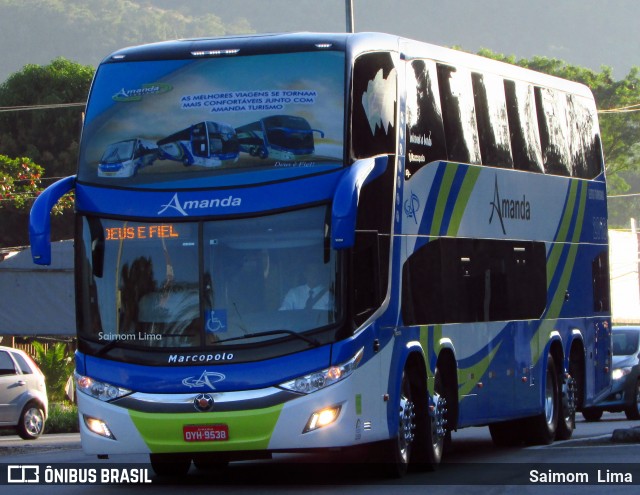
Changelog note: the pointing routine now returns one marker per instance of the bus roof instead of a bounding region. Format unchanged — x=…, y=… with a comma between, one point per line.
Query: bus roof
x=354, y=43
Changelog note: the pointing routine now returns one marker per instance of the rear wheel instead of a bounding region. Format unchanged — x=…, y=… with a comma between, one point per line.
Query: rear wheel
x=567, y=414
x=543, y=427
x=592, y=414
x=633, y=409
x=31, y=424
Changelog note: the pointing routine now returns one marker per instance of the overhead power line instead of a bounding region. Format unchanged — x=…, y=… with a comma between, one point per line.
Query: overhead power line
x=24, y=108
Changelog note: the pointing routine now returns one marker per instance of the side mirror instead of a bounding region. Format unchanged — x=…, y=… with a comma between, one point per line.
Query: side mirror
x=40, y=219
x=347, y=195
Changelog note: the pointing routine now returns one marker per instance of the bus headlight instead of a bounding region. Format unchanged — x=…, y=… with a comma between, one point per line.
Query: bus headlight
x=618, y=373
x=313, y=382
x=322, y=418
x=99, y=390
x=98, y=427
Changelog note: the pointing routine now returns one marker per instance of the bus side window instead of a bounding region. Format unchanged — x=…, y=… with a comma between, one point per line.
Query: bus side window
x=586, y=149
x=374, y=97
x=459, y=115
x=471, y=280
x=493, y=125
x=554, y=131
x=425, y=133
x=525, y=137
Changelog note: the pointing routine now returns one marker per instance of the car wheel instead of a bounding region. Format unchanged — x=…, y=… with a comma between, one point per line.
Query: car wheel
x=633, y=410
x=31, y=424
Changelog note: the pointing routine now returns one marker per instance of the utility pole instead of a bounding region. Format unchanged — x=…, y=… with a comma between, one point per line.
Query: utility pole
x=349, y=10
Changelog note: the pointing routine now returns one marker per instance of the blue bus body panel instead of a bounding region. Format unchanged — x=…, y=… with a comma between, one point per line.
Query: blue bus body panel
x=169, y=379
x=190, y=203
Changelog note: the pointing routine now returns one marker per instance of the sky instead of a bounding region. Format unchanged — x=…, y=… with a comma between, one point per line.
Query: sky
x=590, y=33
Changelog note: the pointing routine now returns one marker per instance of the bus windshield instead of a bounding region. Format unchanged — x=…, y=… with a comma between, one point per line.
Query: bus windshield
x=212, y=122
x=273, y=275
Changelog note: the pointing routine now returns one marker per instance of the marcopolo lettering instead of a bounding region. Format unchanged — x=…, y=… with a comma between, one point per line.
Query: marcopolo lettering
x=200, y=358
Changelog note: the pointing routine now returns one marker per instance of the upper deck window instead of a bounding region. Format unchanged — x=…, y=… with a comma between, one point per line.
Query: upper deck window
x=215, y=121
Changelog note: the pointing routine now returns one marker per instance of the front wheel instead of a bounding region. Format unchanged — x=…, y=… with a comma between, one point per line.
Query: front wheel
x=31, y=424
x=632, y=411
x=398, y=453
x=170, y=465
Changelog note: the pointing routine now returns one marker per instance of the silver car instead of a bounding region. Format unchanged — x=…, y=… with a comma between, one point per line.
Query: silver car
x=23, y=396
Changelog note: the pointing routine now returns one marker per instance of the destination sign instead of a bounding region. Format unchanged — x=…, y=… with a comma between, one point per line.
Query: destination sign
x=161, y=231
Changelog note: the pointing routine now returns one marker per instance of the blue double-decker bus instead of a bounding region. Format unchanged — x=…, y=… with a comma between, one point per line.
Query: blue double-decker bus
x=437, y=259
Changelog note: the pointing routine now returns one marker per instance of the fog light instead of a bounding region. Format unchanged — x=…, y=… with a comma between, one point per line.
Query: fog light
x=322, y=418
x=98, y=427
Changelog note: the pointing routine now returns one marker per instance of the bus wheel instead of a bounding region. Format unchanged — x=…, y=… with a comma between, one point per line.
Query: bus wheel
x=543, y=427
x=507, y=433
x=170, y=465
x=592, y=414
x=437, y=433
x=397, y=452
x=211, y=461
x=567, y=414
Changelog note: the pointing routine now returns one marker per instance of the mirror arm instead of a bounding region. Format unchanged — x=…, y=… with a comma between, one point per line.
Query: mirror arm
x=347, y=196
x=40, y=219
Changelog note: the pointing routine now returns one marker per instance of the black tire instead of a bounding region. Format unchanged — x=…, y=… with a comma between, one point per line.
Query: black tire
x=431, y=433
x=507, y=433
x=211, y=461
x=31, y=423
x=567, y=413
x=632, y=411
x=170, y=465
x=542, y=428
x=397, y=451
x=592, y=414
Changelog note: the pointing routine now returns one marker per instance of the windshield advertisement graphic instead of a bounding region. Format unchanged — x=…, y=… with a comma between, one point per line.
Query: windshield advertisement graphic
x=201, y=123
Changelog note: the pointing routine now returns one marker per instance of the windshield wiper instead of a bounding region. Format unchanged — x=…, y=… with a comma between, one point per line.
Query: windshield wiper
x=107, y=347
x=309, y=340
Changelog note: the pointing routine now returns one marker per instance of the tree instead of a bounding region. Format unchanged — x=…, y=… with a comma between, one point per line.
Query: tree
x=619, y=128
x=19, y=182
x=46, y=137
x=49, y=136
x=56, y=363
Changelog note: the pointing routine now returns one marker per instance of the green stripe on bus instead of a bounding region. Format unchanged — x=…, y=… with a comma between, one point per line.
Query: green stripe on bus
x=553, y=312
x=563, y=231
x=469, y=182
x=248, y=430
x=443, y=196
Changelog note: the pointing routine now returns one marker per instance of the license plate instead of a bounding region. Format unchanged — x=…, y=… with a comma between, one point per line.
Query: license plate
x=205, y=433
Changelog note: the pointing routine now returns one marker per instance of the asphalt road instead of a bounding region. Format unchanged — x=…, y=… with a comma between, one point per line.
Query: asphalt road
x=474, y=466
